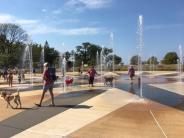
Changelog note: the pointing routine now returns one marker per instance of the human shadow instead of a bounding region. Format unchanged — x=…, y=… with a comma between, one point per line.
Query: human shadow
x=70, y=106
x=131, y=88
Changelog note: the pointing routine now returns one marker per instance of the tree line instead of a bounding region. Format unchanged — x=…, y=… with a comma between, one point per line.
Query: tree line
x=169, y=58
x=13, y=40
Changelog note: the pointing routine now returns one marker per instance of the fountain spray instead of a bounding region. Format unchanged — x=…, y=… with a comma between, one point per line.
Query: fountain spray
x=140, y=46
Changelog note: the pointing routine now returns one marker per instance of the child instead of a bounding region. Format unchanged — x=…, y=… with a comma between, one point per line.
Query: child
x=19, y=78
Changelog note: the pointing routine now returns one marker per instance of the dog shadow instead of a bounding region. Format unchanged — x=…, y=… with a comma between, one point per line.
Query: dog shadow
x=25, y=108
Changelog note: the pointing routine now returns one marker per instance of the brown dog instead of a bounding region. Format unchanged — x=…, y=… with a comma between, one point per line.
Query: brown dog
x=9, y=97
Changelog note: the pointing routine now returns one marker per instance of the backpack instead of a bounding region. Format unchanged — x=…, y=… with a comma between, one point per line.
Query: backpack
x=52, y=74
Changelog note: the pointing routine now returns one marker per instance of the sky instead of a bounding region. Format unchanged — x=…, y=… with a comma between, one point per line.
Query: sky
x=68, y=23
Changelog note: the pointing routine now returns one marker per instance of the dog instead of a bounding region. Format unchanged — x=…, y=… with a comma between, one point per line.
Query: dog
x=12, y=97
x=108, y=81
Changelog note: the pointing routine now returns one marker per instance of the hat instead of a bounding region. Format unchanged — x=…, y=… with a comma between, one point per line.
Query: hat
x=46, y=64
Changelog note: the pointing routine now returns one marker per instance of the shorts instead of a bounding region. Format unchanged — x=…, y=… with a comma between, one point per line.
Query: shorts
x=48, y=87
x=91, y=80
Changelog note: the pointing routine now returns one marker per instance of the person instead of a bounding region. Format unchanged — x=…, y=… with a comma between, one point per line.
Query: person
x=22, y=73
x=5, y=73
x=131, y=73
x=34, y=71
x=79, y=70
x=10, y=78
x=19, y=78
x=91, y=72
x=48, y=85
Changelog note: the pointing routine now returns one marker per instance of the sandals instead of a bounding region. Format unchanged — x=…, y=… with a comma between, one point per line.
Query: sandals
x=51, y=105
x=39, y=105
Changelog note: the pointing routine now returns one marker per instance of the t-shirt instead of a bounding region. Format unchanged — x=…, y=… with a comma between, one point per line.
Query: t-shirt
x=47, y=78
x=92, y=72
x=131, y=72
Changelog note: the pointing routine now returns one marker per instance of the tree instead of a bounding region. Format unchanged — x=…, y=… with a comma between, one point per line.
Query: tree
x=51, y=54
x=67, y=55
x=152, y=60
x=12, y=34
x=3, y=42
x=170, y=58
x=36, y=53
x=117, y=59
x=12, y=43
x=87, y=53
x=107, y=51
x=134, y=60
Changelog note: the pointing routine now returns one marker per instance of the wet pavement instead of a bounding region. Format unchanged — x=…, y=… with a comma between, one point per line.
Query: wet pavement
x=149, y=92
x=35, y=115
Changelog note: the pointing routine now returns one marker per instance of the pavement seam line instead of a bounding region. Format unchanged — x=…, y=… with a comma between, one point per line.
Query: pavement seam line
x=159, y=126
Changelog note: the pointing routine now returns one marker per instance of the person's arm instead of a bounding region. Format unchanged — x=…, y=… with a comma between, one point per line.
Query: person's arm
x=44, y=76
x=88, y=72
x=96, y=72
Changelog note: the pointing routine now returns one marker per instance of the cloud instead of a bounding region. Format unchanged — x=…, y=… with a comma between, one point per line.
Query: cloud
x=44, y=10
x=162, y=26
x=35, y=27
x=81, y=5
x=43, y=29
x=56, y=11
x=6, y=18
x=70, y=20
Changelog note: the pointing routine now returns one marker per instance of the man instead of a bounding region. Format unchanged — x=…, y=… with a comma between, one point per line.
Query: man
x=48, y=85
x=91, y=72
x=10, y=78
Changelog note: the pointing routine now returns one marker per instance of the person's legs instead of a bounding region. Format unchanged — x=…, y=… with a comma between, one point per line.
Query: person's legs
x=131, y=78
x=89, y=81
x=52, y=95
x=11, y=82
x=43, y=94
x=92, y=81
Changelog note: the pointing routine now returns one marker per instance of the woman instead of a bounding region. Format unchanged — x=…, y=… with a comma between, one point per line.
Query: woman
x=48, y=85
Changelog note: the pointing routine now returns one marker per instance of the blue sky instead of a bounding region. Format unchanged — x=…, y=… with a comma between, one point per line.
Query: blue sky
x=67, y=23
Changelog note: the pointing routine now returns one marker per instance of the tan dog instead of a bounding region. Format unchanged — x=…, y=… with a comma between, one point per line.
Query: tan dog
x=108, y=81
x=9, y=97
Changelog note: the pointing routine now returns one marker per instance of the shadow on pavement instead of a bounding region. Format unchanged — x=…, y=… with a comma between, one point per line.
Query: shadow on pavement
x=28, y=118
x=71, y=106
x=24, y=108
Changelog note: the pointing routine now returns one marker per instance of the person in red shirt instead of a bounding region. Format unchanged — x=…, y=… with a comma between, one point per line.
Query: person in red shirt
x=131, y=73
x=91, y=72
x=48, y=85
